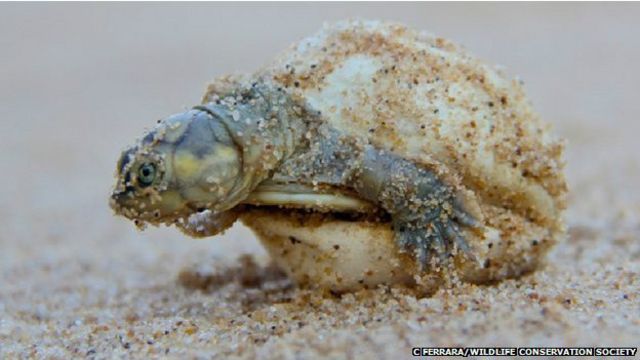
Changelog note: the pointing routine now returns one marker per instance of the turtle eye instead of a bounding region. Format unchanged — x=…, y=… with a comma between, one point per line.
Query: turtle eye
x=146, y=174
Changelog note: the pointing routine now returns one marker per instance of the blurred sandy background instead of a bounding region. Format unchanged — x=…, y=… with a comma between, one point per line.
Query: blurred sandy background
x=78, y=82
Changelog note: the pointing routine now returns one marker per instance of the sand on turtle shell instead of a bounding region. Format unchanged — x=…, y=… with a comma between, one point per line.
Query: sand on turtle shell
x=82, y=80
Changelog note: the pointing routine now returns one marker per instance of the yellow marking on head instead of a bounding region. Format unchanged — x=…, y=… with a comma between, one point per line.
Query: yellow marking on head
x=186, y=165
x=171, y=201
x=224, y=153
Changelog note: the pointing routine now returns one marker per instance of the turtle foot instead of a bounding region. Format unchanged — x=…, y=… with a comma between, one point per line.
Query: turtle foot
x=435, y=239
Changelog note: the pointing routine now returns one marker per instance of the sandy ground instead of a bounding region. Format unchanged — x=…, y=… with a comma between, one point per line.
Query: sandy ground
x=79, y=82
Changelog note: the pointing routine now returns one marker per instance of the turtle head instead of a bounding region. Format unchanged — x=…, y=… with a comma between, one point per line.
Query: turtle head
x=188, y=162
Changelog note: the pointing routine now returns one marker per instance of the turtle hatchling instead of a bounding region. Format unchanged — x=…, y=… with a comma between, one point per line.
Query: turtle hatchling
x=366, y=154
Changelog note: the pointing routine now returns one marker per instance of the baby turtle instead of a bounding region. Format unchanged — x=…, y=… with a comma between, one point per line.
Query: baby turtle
x=364, y=118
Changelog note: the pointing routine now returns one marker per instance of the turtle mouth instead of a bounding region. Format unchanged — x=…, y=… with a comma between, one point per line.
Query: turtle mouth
x=149, y=205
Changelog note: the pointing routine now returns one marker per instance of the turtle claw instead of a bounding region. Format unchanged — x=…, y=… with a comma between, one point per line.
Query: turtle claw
x=432, y=238
x=462, y=216
x=452, y=232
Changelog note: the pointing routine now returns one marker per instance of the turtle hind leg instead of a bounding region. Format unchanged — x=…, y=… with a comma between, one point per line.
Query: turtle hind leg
x=427, y=215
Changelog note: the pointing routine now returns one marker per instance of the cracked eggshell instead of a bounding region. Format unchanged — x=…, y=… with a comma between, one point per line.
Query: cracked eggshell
x=338, y=255
x=320, y=251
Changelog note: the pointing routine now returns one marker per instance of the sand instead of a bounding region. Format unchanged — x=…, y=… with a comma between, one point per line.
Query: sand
x=79, y=82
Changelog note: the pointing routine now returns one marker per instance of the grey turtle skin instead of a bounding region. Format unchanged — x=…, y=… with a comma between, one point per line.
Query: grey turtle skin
x=214, y=159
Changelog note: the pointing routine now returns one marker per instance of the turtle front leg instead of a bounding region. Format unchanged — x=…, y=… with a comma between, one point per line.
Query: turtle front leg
x=427, y=214
x=207, y=223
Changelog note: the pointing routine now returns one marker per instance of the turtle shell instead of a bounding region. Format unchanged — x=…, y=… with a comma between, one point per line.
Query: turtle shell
x=428, y=100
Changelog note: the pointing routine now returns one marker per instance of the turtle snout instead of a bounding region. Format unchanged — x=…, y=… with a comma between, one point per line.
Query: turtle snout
x=121, y=202
x=148, y=204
